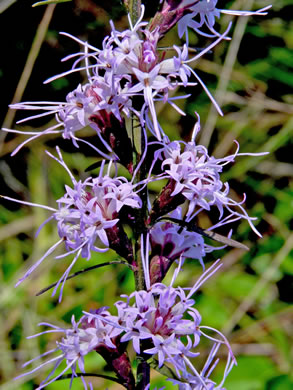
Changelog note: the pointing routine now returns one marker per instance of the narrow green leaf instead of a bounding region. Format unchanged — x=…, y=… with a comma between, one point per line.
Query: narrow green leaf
x=164, y=370
x=4, y=4
x=49, y=2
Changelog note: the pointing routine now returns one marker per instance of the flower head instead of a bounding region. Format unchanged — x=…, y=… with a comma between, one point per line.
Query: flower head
x=87, y=215
x=195, y=176
x=198, y=14
x=87, y=335
x=78, y=341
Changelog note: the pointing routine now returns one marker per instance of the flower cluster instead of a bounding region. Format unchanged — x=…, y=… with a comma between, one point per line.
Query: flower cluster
x=129, y=64
x=161, y=323
x=203, y=13
x=125, y=79
x=88, y=218
x=195, y=176
x=169, y=240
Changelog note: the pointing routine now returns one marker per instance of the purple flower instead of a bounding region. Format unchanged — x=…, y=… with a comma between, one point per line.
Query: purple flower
x=159, y=319
x=179, y=64
x=206, y=10
x=171, y=241
x=126, y=66
x=92, y=104
x=85, y=215
x=196, y=176
x=167, y=322
x=150, y=83
x=92, y=207
x=126, y=77
x=164, y=318
x=201, y=380
x=78, y=341
x=206, y=13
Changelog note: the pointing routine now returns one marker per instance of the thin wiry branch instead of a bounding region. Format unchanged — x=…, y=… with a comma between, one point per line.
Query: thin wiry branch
x=81, y=272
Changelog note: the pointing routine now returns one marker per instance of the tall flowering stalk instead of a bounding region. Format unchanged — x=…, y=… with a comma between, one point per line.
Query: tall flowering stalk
x=159, y=323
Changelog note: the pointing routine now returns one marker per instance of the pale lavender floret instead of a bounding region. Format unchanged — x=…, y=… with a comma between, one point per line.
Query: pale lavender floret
x=123, y=50
x=123, y=195
x=71, y=116
x=109, y=95
x=129, y=66
x=84, y=214
x=206, y=12
x=77, y=111
x=163, y=316
x=135, y=62
x=161, y=321
x=126, y=59
x=78, y=341
x=150, y=83
x=164, y=347
x=180, y=67
x=197, y=178
x=91, y=207
x=169, y=240
x=81, y=220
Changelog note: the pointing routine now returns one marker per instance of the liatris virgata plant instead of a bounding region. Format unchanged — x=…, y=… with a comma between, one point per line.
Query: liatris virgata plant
x=157, y=326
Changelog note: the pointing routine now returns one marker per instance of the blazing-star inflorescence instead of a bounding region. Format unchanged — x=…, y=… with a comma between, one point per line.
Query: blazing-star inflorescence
x=126, y=77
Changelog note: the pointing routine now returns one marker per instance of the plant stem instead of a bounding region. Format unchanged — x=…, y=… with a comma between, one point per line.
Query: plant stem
x=143, y=374
x=143, y=368
x=138, y=142
x=139, y=231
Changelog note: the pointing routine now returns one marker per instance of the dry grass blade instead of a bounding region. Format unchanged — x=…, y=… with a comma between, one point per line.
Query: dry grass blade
x=266, y=277
x=225, y=77
x=31, y=59
x=19, y=226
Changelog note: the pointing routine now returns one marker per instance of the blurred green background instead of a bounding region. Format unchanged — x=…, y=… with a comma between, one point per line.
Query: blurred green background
x=252, y=79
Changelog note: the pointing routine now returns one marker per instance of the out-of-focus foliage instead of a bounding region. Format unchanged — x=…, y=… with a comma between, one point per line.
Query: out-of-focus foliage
x=250, y=297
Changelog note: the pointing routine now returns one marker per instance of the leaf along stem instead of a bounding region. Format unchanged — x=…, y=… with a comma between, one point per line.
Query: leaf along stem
x=45, y=2
x=81, y=272
x=80, y=374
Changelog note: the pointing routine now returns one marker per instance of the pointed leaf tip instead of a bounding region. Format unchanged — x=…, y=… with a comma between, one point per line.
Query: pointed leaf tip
x=45, y=2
